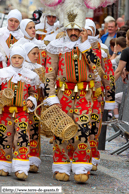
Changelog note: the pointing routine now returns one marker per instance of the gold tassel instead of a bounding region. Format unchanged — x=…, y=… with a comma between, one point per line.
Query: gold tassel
x=10, y=45
x=80, y=56
x=87, y=87
x=63, y=87
x=0, y=111
x=93, y=89
x=102, y=94
x=13, y=115
x=76, y=88
x=27, y=110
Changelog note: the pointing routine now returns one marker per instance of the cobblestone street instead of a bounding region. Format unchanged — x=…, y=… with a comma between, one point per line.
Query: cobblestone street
x=112, y=175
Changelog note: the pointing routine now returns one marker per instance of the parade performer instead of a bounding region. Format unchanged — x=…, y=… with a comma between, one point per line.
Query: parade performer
x=71, y=63
x=14, y=119
x=49, y=24
x=91, y=24
x=27, y=27
x=108, y=88
x=9, y=35
x=32, y=53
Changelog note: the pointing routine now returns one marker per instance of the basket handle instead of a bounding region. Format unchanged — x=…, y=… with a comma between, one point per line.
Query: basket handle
x=36, y=110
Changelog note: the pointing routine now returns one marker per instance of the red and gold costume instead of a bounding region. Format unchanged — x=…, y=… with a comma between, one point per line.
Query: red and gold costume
x=34, y=127
x=73, y=69
x=43, y=29
x=14, y=122
x=107, y=88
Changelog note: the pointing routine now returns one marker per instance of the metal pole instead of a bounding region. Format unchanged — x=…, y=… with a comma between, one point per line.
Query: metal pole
x=102, y=137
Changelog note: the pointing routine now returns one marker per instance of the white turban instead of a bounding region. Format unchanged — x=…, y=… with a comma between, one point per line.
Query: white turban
x=28, y=47
x=23, y=25
x=15, y=14
x=90, y=23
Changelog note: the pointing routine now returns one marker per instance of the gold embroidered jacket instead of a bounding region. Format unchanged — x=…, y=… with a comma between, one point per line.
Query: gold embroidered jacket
x=77, y=66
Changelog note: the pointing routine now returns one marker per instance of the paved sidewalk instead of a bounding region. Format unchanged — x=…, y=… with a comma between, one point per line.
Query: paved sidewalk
x=112, y=175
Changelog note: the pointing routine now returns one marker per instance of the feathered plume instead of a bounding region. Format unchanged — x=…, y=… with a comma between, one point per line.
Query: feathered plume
x=74, y=13
x=93, y=4
x=52, y=3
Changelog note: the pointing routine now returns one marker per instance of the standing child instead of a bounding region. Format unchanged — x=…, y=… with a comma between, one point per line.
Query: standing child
x=9, y=35
x=14, y=120
x=32, y=54
x=27, y=27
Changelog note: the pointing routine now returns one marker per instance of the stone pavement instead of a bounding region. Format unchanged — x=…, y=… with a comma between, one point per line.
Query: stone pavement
x=112, y=175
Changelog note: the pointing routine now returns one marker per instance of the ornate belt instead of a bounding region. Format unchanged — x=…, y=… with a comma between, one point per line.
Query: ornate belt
x=76, y=86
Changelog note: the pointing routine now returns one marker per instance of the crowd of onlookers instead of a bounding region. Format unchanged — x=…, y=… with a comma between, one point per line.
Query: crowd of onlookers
x=115, y=35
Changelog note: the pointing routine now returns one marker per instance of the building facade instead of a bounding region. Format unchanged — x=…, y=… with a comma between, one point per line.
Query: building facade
x=25, y=6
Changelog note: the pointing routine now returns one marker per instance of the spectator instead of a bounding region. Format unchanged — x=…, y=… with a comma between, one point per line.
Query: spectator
x=97, y=25
x=118, y=99
x=120, y=22
x=112, y=44
x=120, y=45
x=112, y=28
x=124, y=61
x=123, y=17
x=106, y=20
x=127, y=23
x=91, y=24
x=97, y=32
x=101, y=32
x=124, y=28
x=121, y=33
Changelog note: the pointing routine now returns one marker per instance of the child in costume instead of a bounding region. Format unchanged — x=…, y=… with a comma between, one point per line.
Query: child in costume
x=49, y=23
x=32, y=53
x=27, y=27
x=9, y=35
x=14, y=120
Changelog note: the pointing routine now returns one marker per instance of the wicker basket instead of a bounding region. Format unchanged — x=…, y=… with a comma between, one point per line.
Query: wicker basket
x=45, y=131
x=41, y=73
x=7, y=96
x=57, y=121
